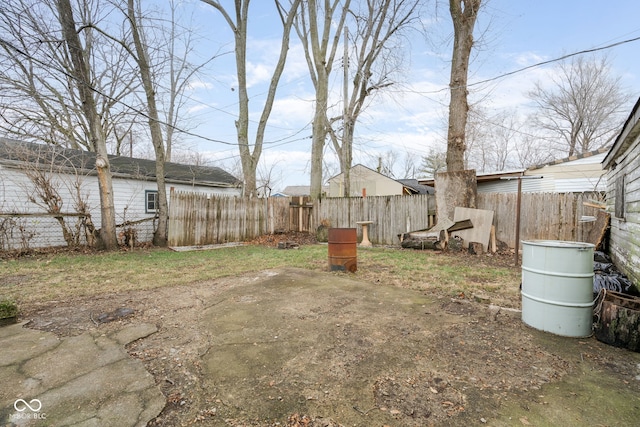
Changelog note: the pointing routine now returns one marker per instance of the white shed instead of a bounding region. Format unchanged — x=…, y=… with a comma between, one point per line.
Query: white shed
x=25, y=221
x=366, y=181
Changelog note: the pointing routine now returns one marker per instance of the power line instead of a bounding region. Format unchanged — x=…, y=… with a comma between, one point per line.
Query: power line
x=550, y=61
x=140, y=112
x=193, y=134
x=99, y=92
x=538, y=64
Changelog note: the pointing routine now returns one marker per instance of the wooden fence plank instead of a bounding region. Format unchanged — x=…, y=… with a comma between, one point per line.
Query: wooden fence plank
x=198, y=219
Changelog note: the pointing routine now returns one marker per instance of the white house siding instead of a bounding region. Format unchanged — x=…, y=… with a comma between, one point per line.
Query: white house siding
x=33, y=231
x=374, y=183
x=580, y=185
x=511, y=186
x=625, y=232
x=571, y=176
x=129, y=204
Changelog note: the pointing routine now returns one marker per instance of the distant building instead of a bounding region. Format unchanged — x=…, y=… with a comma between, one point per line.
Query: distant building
x=298, y=191
x=134, y=189
x=575, y=174
x=366, y=181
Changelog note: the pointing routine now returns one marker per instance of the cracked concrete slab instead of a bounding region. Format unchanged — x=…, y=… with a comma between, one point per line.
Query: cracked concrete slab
x=85, y=380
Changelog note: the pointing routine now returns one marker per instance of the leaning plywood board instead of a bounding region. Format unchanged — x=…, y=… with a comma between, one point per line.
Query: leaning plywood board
x=599, y=230
x=482, y=221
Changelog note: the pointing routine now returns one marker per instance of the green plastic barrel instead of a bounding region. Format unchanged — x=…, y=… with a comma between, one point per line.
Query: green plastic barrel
x=557, y=286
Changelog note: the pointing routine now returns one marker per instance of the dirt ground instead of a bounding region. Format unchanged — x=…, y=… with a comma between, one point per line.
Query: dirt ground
x=291, y=347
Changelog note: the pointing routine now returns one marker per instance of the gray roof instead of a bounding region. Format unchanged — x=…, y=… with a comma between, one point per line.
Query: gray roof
x=416, y=186
x=300, y=190
x=586, y=155
x=13, y=152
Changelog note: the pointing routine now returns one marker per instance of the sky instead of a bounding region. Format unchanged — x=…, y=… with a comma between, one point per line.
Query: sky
x=408, y=119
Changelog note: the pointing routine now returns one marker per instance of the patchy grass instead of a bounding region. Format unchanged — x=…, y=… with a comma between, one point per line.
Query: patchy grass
x=63, y=276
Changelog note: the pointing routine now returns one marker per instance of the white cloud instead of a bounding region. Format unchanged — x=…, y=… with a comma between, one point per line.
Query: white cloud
x=199, y=84
x=258, y=73
x=292, y=111
x=525, y=59
x=197, y=108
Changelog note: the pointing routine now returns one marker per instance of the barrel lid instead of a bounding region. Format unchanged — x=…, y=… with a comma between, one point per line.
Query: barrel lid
x=558, y=244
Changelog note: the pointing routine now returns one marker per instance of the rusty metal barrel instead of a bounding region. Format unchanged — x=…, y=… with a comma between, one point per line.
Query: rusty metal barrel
x=618, y=319
x=343, y=251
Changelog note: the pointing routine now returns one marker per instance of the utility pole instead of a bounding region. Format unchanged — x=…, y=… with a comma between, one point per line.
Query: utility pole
x=518, y=203
x=346, y=120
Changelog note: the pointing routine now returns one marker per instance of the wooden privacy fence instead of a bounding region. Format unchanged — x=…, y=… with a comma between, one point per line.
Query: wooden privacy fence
x=547, y=216
x=391, y=215
x=199, y=219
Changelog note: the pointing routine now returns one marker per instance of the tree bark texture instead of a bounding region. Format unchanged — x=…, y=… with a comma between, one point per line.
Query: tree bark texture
x=160, y=234
x=80, y=71
x=455, y=189
x=463, y=14
x=618, y=320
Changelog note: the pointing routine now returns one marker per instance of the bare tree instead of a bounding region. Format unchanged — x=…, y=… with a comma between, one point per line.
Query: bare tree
x=477, y=139
x=463, y=15
x=64, y=85
x=386, y=163
x=238, y=22
x=319, y=26
x=188, y=157
x=134, y=41
x=457, y=186
x=52, y=172
x=434, y=162
x=180, y=45
x=585, y=105
x=39, y=101
x=409, y=168
x=81, y=80
x=532, y=150
x=141, y=57
x=371, y=67
x=492, y=140
x=268, y=179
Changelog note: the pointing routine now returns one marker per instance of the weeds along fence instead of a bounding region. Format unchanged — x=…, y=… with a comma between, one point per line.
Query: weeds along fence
x=24, y=231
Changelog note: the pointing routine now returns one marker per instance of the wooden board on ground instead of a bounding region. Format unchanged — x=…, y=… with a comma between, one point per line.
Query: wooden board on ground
x=460, y=225
x=482, y=221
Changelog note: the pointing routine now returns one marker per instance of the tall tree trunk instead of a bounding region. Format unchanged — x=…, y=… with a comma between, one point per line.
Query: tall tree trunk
x=463, y=14
x=249, y=166
x=80, y=71
x=319, y=135
x=160, y=235
x=248, y=158
x=320, y=48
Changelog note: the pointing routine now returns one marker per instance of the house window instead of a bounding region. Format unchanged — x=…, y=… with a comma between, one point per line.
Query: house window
x=151, y=201
x=620, y=190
